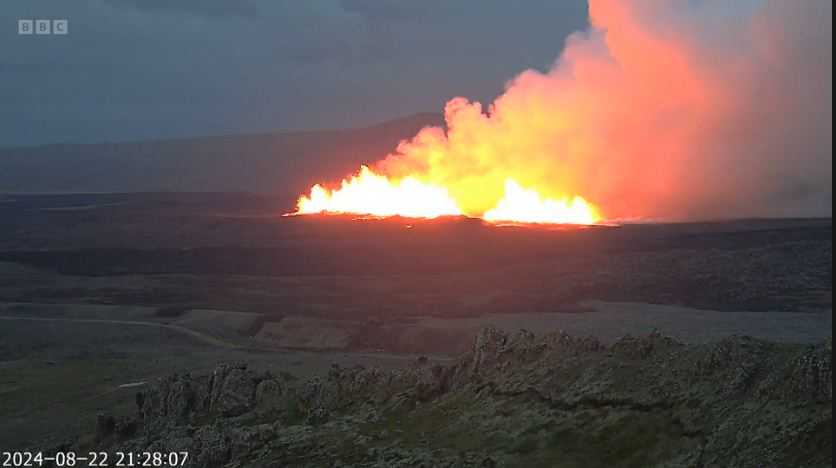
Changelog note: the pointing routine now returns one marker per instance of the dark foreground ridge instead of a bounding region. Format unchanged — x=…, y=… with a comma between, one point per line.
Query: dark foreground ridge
x=511, y=401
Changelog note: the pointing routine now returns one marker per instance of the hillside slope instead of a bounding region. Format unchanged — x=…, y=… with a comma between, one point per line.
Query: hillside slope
x=285, y=162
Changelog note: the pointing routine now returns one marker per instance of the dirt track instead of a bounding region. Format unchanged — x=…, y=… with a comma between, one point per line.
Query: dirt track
x=211, y=340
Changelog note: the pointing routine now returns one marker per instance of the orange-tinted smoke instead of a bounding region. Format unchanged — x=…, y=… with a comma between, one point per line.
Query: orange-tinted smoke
x=672, y=109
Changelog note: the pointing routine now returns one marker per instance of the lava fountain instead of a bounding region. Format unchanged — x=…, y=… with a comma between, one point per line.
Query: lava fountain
x=661, y=109
x=370, y=194
x=527, y=206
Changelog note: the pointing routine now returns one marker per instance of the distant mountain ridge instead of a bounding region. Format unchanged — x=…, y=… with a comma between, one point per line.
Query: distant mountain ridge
x=280, y=163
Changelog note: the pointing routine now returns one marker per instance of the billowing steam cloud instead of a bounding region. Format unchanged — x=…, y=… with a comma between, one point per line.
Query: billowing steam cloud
x=669, y=109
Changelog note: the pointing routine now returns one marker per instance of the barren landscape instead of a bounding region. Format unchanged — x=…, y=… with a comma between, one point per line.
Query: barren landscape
x=416, y=234
x=106, y=308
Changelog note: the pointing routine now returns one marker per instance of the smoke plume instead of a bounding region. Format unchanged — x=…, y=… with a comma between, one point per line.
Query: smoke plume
x=672, y=109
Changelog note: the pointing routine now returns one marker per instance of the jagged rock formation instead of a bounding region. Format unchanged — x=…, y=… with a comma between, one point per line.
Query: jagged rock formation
x=512, y=401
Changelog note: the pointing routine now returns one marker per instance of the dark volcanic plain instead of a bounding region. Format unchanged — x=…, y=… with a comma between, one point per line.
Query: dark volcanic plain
x=102, y=294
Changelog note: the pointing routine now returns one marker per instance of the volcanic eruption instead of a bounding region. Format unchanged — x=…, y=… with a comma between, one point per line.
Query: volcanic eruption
x=663, y=109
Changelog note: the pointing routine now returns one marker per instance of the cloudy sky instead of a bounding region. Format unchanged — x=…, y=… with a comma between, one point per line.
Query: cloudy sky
x=139, y=69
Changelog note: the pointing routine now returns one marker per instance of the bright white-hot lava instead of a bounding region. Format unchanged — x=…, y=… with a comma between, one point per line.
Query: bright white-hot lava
x=527, y=206
x=371, y=194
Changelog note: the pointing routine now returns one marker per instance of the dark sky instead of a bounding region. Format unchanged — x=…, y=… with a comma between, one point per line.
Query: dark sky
x=140, y=69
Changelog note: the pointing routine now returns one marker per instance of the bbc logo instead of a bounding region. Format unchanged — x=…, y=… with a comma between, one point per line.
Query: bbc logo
x=43, y=27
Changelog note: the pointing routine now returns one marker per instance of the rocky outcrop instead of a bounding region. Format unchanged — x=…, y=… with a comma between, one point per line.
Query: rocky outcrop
x=811, y=375
x=232, y=390
x=513, y=400
x=173, y=400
